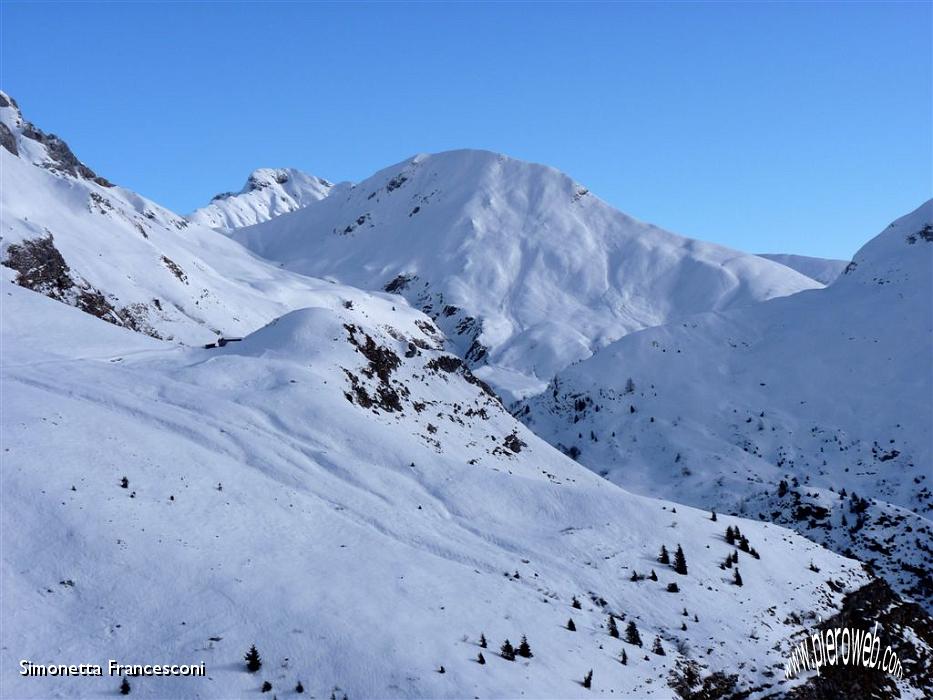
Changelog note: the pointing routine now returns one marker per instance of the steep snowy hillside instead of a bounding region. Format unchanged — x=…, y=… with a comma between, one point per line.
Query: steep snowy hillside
x=347, y=497
x=522, y=267
x=823, y=270
x=71, y=235
x=814, y=411
x=266, y=194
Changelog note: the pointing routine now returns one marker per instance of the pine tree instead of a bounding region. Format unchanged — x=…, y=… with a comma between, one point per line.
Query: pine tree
x=481, y=660
x=685, y=613
x=657, y=648
x=570, y=626
x=482, y=641
x=507, y=651
x=299, y=688
x=737, y=579
x=730, y=535
x=125, y=685
x=631, y=634
x=623, y=659
x=782, y=489
x=629, y=386
x=653, y=576
x=713, y=516
x=266, y=687
x=588, y=679
x=695, y=618
x=683, y=626
x=673, y=588
x=664, y=557
x=613, y=629
x=635, y=575
x=576, y=603
x=523, y=649
x=680, y=561
x=253, y=660
x=743, y=543
x=442, y=670
x=124, y=483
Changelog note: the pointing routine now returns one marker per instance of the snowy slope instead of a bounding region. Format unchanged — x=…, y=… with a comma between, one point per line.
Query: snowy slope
x=522, y=267
x=823, y=270
x=359, y=545
x=828, y=389
x=267, y=193
x=70, y=234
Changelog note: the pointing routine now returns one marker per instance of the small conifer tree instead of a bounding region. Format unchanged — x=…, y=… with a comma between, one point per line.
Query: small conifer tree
x=507, y=651
x=623, y=659
x=482, y=641
x=737, y=579
x=635, y=576
x=588, y=679
x=631, y=634
x=730, y=535
x=656, y=648
x=653, y=576
x=266, y=686
x=523, y=649
x=481, y=660
x=680, y=561
x=125, y=684
x=613, y=629
x=253, y=660
x=664, y=557
x=713, y=516
x=576, y=603
x=570, y=626
x=299, y=688
x=124, y=483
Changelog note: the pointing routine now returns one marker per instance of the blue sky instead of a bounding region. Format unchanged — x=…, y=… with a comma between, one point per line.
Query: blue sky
x=769, y=127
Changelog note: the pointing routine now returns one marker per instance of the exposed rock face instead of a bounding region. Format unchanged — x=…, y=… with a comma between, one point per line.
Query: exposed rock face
x=7, y=140
x=61, y=157
x=905, y=626
x=41, y=267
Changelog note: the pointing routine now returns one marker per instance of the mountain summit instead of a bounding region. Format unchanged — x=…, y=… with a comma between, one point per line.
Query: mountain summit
x=524, y=268
x=267, y=193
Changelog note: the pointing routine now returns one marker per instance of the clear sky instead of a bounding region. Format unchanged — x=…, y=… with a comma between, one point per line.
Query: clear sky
x=780, y=127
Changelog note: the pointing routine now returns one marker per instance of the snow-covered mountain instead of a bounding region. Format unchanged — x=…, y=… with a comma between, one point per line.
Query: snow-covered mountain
x=823, y=270
x=70, y=234
x=267, y=193
x=827, y=390
x=341, y=490
x=344, y=495
x=521, y=266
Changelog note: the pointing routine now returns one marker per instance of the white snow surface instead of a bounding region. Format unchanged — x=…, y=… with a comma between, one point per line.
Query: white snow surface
x=358, y=548
x=161, y=274
x=830, y=388
x=267, y=193
x=823, y=270
x=522, y=267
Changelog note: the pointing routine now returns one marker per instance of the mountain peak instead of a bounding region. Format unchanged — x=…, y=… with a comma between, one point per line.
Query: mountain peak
x=268, y=192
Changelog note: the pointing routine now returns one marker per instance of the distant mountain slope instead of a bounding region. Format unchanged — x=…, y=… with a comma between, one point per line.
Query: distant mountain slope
x=823, y=270
x=267, y=193
x=70, y=234
x=828, y=389
x=524, y=268
x=345, y=496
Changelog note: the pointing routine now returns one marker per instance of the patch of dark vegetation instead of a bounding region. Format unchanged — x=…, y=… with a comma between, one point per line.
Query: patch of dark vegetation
x=396, y=182
x=687, y=681
x=445, y=363
x=924, y=234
